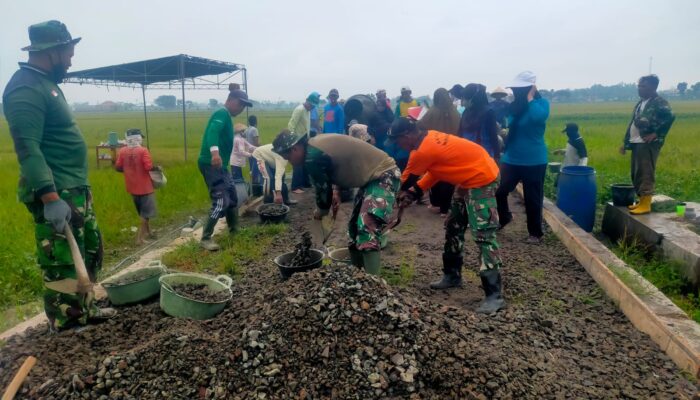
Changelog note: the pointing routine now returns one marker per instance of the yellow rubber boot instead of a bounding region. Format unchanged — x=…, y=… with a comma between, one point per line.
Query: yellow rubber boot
x=633, y=206
x=644, y=206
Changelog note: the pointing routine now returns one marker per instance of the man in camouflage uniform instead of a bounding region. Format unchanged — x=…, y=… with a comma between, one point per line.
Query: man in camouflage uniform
x=651, y=120
x=338, y=161
x=53, y=173
x=441, y=157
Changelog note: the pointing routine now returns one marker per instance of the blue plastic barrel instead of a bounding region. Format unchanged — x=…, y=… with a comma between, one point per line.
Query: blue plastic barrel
x=576, y=195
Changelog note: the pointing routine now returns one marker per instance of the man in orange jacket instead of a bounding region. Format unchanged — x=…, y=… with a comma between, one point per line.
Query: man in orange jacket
x=437, y=156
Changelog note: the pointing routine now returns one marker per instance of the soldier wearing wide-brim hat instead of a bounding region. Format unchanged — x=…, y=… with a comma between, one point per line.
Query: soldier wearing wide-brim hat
x=53, y=173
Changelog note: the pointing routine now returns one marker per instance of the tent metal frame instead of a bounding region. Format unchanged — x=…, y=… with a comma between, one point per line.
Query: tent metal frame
x=127, y=76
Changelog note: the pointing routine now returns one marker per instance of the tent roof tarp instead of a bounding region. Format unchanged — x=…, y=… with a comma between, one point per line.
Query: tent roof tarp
x=157, y=70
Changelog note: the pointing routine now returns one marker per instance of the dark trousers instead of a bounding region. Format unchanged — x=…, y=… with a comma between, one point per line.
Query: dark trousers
x=441, y=196
x=221, y=190
x=644, y=156
x=255, y=176
x=532, y=177
x=237, y=174
x=300, y=179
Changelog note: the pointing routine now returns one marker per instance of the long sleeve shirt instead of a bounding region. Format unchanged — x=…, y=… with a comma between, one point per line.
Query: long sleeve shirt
x=136, y=163
x=219, y=133
x=343, y=161
x=526, y=146
x=50, y=148
x=242, y=150
x=654, y=116
x=447, y=158
x=333, y=119
x=300, y=122
x=265, y=155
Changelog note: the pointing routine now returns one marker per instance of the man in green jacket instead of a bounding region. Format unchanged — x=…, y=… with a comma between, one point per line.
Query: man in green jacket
x=53, y=183
x=651, y=120
x=340, y=161
x=213, y=163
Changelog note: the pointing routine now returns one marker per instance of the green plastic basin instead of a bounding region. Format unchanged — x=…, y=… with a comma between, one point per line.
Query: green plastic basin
x=144, y=285
x=179, y=306
x=340, y=255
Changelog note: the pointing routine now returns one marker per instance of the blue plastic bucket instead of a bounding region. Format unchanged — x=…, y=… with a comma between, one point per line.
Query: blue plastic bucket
x=576, y=195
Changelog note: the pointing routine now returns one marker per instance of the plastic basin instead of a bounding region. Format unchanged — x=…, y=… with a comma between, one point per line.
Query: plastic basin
x=144, y=286
x=340, y=255
x=271, y=219
x=282, y=262
x=176, y=305
x=622, y=194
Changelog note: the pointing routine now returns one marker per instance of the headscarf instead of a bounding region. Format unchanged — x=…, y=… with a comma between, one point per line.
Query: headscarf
x=134, y=141
x=442, y=116
x=359, y=131
x=476, y=104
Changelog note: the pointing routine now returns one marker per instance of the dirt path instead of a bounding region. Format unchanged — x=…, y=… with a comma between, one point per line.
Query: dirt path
x=559, y=338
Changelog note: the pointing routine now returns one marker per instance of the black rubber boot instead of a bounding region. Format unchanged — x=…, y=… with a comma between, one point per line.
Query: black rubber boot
x=493, y=301
x=452, y=272
x=207, y=232
x=232, y=219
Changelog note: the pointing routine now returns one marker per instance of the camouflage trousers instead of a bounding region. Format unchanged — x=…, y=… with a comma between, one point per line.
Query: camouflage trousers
x=476, y=208
x=63, y=305
x=373, y=205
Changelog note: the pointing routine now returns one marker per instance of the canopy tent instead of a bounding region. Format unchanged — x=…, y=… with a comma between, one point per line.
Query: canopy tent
x=164, y=73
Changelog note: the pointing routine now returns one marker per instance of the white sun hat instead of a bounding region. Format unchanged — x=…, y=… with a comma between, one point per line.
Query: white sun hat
x=523, y=79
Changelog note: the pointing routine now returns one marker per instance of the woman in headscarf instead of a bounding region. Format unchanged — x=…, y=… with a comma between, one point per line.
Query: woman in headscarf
x=525, y=156
x=478, y=122
x=442, y=117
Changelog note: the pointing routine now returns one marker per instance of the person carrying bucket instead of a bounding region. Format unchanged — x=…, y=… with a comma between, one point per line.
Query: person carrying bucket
x=438, y=156
x=340, y=161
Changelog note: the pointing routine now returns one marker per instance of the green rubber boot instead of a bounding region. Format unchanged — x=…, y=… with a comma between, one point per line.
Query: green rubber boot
x=232, y=219
x=371, y=262
x=207, y=231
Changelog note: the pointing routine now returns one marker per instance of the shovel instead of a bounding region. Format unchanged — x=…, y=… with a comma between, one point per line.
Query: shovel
x=84, y=283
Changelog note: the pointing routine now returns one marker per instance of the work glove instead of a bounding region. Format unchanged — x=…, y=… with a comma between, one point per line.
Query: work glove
x=58, y=213
x=406, y=197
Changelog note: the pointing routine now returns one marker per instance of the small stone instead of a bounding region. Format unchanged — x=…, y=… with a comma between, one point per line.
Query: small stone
x=374, y=377
x=253, y=334
x=325, y=352
x=300, y=312
x=109, y=383
x=407, y=377
x=107, y=361
x=356, y=319
x=364, y=305
x=397, y=359
x=77, y=383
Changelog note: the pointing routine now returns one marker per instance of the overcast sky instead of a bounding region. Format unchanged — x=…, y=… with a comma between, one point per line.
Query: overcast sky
x=293, y=47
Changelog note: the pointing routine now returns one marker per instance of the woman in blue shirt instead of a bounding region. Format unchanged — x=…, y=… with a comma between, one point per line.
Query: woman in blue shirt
x=525, y=156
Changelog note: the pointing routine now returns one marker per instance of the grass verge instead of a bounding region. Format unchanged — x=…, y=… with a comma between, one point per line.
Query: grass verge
x=237, y=251
x=664, y=274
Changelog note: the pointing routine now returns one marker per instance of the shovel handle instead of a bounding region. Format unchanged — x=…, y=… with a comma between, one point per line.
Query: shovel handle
x=84, y=284
x=21, y=374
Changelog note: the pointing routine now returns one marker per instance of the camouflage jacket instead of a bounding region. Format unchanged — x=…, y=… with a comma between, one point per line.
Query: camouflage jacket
x=656, y=117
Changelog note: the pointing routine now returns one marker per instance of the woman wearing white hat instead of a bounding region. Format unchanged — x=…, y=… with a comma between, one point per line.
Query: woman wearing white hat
x=525, y=156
